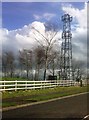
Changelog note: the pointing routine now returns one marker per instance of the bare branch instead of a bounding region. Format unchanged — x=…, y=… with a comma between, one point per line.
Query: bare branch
x=40, y=34
x=39, y=42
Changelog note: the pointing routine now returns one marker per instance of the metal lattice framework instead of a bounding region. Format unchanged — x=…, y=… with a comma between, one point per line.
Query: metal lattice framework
x=66, y=48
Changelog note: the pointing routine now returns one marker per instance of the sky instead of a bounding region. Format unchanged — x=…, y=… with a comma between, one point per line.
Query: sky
x=19, y=17
x=17, y=14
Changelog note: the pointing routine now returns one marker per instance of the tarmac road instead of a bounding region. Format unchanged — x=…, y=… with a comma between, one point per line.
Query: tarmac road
x=72, y=107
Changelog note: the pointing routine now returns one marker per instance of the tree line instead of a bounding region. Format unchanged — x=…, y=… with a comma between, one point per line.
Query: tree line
x=29, y=60
x=44, y=56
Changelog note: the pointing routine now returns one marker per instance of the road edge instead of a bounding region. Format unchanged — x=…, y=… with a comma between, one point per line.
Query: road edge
x=40, y=102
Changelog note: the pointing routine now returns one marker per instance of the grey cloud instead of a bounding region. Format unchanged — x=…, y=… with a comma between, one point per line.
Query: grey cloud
x=17, y=39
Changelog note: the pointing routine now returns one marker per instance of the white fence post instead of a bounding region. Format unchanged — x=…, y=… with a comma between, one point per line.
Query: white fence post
x=34, y=85
x=15, y=85
x=26, y=86
x=50, y=83
x=44, y=85
x=4, y=84
x=41, y=85
x=57, y=82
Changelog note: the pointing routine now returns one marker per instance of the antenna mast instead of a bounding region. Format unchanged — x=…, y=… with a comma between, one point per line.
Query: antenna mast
x=66, y=49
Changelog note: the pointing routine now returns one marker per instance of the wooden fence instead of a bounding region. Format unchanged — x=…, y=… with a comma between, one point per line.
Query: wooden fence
x=20, y=85
x=26, y=85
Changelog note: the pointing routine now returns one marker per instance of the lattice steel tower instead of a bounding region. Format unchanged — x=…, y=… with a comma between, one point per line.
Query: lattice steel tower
x=66, y=49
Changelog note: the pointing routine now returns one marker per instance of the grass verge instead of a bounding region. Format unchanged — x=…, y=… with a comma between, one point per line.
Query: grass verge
x=28, y=96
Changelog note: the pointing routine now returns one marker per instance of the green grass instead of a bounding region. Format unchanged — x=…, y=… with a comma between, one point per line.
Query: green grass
x=39, y=94
x=7, y=104
x=13, y=78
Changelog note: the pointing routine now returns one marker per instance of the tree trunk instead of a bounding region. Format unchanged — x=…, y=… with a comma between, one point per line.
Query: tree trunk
x=38, y=73
x=53, y=68
x=45, y=74
x=45, y=69
x=27, y=72
x=11, y=72
x=46, y=62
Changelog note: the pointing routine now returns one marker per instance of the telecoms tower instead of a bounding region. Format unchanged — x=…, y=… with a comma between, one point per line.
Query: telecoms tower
x=66, y=48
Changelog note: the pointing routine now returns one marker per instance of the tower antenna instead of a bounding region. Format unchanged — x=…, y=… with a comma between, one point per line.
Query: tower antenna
x=66, y=48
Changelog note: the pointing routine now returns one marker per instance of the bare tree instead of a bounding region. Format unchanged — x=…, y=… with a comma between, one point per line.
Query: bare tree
x=53, y=61
x=47, y=41
x=77, y=69
x=8, y=63
x=25, y=59
x=4, y=64
x=39, y=59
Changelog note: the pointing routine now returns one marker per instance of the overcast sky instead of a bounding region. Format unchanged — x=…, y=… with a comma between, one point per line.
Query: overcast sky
x=18, y=19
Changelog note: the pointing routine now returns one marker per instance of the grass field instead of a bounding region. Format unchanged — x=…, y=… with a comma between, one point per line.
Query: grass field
x=22, y=97
x=9, y=78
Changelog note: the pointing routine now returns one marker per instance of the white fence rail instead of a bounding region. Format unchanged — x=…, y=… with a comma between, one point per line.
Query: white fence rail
x=26, y=85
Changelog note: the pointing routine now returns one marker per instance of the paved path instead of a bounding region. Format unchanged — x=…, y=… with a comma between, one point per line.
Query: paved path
x=72, y=107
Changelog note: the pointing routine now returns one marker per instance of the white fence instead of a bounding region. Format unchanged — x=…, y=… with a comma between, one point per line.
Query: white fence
x=19, y=85
x=25, y=85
